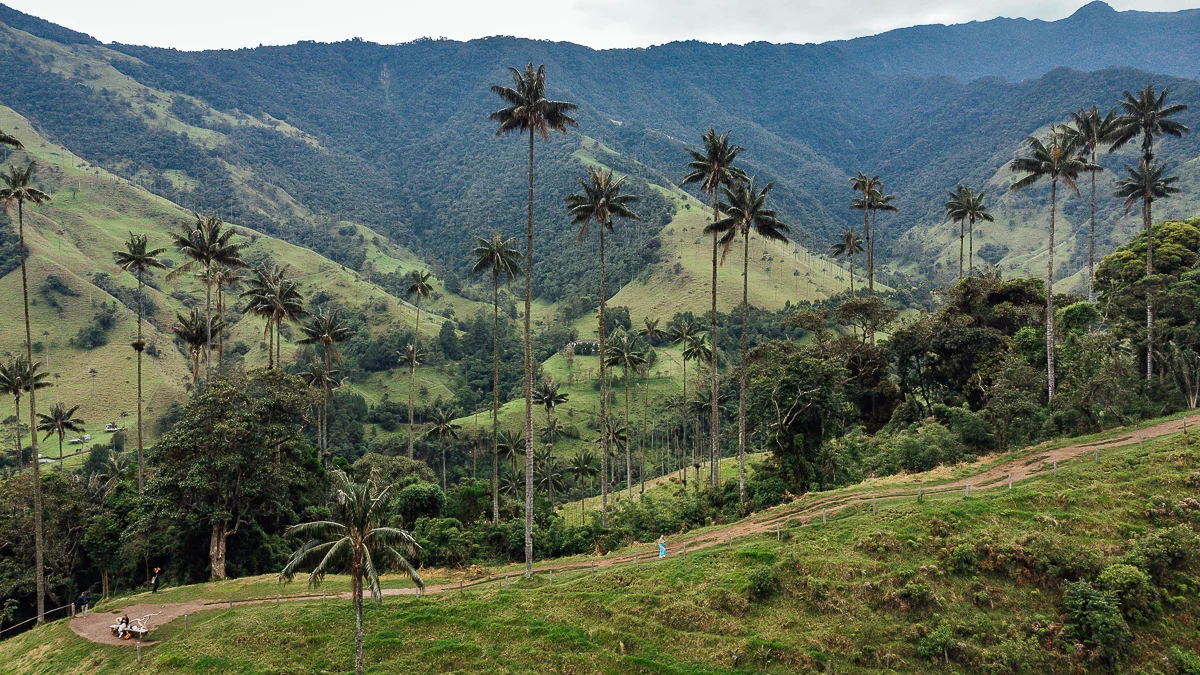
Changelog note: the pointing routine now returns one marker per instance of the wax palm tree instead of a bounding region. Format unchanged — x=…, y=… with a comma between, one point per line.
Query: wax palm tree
x=683, y=333
x=511, y=445
x=712, y=170
x=550, y=471
x=1055, y=159
x=16, y=378
x=966, y=207
x=192, y=331
x=866, y=186
x=695, y=349
x=1147, y=114
x=220, y=278
x=614, y=436
x=1146, y=184
x=498, y=258
x=58, y=422
x=877, y=201
x=1093, y=130
x=328, y=329
x=316, y=376
x=628, y=353
x=206, y=245
x=848, y=245
x=352, y=542
x=547, y=395
x=653, y=334
x=18, y=189
x=273, y=296
x=419, y=287
x=583, y=467
x=746, y=213
x=139, y=259
x=443, y=429
x=528, y=111
x=600, y=201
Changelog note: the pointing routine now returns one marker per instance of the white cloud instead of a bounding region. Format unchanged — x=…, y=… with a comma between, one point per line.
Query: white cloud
x=206, y=24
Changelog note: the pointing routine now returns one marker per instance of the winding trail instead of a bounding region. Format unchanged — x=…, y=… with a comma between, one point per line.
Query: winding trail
x=799, y=512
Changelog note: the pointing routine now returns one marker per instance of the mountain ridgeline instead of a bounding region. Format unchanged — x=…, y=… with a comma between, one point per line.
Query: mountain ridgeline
x=397, y=137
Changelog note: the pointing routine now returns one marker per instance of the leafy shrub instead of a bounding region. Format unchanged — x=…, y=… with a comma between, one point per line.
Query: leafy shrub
x=1094, y=618
x=964, y=559
x=920, y=449
x=420, y=500
x=1183, y=663
x=914, y=595
x=1164, y=550
x=936, y=643
x=764, y=582
x=1132, y=589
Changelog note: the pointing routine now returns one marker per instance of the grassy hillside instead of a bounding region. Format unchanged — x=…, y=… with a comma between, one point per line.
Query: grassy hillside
x=951, y=584
x=72, y=238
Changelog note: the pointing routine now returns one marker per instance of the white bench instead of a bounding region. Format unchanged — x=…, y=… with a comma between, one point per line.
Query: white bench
x=139, y=627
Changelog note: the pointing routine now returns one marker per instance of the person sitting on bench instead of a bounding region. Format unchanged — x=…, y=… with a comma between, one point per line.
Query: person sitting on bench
x=122, y=627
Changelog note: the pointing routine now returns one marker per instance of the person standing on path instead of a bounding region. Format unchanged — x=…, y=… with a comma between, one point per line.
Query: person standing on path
x=154, y=580
x=81, y=603
x=662, y=547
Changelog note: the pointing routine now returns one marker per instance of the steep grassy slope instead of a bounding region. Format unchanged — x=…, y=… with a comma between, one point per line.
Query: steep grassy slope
x=73, y=237
x=952, y=584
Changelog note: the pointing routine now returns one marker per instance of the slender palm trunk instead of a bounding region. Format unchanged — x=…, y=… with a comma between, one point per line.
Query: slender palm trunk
x=271, y=343
x=1050, y=294
x=645, y=424
x=715, y=421
x=139, y=349
x=742, y=372
x=208, y=322
x=358, y=622
x=971, y=247
x=1149, y=299
x=1092, y=239
x=628, y=441
x=603, y=397
x=412, y=377
x=60, y=450
x=683, y=429
x=38, y=542
x=20, y=458
x=867, y=237
x=851, y=256
x=961, y=234
x=325, y=409
x=220, y=334
x=495, y=397
x=529, y=374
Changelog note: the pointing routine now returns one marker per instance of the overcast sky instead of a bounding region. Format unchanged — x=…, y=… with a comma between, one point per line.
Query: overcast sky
x=208, y=24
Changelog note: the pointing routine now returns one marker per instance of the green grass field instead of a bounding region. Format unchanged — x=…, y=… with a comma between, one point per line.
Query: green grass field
x=948, y=585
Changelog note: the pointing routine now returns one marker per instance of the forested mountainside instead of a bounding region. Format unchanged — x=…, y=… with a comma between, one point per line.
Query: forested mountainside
x=397, y=137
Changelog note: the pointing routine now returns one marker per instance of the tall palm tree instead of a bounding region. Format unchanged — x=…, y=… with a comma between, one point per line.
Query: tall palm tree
x=653, y=334
x=866, y=186
x=206, y=245
x=499, y=258
x=966, y=206
x=600, y=201
x=222, y=277
x=273, y=296
x=1147, y=114
x=58, y=422
x=328, y=329
x=695, y=349
x=683, y=333
x=877, y=202
x=712, y=170
x=419, y=287
x=17, y=189
x=1057, y=160
x=443, y=429
x=318, y=377
x=527, y=110
x=583, y=467
x=627, y=353
x=547, y=395
x=746, y=213
x=848, y=245
x=352, y=542
x=192, y=330
x=1146, y=184
x=1093, y=130
x=139, y=259
x=16, y=378
x=511, y=445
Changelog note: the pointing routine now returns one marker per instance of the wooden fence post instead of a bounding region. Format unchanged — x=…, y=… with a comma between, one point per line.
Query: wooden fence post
x=920, y=494
x=968, y=492
x=185, y=623
x=824, y=516
x=1010, y=480
x=231, y=601
x=1056, y=467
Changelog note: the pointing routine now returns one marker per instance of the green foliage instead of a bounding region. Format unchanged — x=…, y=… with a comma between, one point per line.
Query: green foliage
x=763, y=582
x=419, y=500
x=1094, y=618
x=1132, y=588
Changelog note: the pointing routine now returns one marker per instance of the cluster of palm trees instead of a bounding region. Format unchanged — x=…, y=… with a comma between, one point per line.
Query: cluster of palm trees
x=1067, y=151
x=871, y=202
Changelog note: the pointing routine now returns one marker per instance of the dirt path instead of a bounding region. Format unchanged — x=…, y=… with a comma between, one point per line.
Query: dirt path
x=95, y=626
